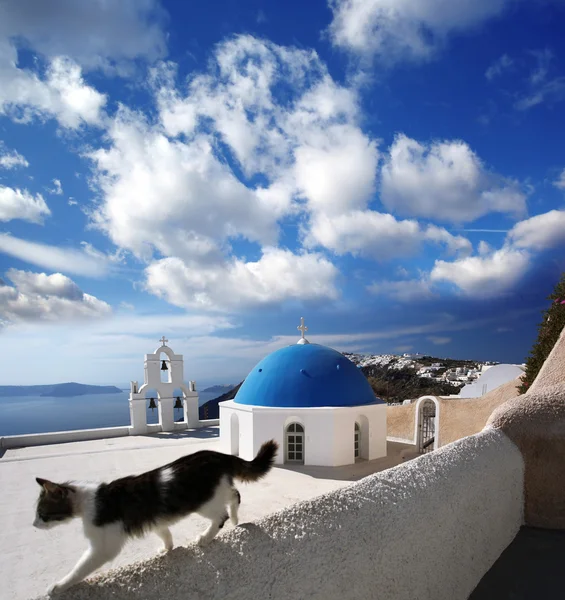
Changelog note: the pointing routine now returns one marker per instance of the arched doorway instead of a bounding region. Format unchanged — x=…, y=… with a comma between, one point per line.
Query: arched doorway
x=427, y=426
x=357, y=441
x=294, y=443
x=234, y=434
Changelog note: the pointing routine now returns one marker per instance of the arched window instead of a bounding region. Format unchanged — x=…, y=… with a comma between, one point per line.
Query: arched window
x=357, y=439
x=295, y=443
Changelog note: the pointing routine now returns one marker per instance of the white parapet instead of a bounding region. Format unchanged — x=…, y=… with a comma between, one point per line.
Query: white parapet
x=428, y=529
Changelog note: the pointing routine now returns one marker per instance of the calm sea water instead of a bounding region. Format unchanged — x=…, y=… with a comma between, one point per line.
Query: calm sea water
x=33, y=414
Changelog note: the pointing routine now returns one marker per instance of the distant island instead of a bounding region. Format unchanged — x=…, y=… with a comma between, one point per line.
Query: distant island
x=57, y=390
x=219, y=389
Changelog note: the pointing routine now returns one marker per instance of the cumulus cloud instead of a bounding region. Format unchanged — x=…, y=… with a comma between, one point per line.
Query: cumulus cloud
x=11, y=159
x=393, y=30
x=560, y=182
x=41, y=297
x=540, y=232
x=170, y=190
x=62, y=93
x=66, y=260
x=485, y=276
x=378, y=235
x=445, y=181
x=277, y=276
x=20, y=204
x=176, y=197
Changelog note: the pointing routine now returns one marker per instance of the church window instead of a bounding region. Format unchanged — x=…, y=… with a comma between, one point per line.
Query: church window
x=295, y=443
x=357, y=439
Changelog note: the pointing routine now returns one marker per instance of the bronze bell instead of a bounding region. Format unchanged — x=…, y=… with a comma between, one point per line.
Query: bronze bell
x=152, y=404
x=164, y=366
x=178, y=403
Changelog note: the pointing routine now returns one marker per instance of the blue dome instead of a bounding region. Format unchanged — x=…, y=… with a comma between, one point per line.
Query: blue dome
x=306, y=376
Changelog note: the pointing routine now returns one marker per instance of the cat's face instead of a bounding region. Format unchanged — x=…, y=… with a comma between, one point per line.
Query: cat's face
x=56, y=504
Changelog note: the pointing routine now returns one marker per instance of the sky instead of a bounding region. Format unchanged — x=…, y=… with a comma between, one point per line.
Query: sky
x=393, y=171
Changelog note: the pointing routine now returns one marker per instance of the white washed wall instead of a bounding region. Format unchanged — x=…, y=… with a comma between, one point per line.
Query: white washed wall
x=428, y=529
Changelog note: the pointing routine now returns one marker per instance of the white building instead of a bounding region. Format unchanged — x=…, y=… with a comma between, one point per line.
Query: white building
x=491, y=378
x=313, y=401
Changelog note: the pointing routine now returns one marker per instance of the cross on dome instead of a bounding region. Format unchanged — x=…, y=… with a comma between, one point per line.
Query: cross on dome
x=302, y=328
x=163, y=341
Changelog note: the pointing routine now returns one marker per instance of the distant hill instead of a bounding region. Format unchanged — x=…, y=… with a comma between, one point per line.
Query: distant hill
x=57, y=390
x=220, y=389
x=211, y=410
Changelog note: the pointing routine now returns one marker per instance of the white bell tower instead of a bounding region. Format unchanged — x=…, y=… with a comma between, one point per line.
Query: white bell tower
x=173, y=366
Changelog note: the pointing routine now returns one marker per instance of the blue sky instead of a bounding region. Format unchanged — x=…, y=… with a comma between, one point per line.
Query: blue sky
x=391, y=170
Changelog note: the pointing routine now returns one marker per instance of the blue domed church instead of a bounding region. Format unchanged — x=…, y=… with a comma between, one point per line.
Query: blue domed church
x=313, y=401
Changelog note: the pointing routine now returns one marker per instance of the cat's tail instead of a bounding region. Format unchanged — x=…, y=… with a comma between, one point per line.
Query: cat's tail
x=253, y=470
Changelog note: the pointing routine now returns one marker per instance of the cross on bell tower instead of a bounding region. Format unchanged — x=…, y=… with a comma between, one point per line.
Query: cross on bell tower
x=302, y=328
x=163, y=341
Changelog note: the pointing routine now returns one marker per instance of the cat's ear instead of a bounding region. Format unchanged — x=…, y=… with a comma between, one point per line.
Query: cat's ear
x=47, y=485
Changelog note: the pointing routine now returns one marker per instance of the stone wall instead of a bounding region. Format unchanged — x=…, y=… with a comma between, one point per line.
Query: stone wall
x=427, y=529
x=459, y=418
x=401, y=422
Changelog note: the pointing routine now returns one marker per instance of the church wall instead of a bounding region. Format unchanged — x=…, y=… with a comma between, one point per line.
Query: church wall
x=428, y=529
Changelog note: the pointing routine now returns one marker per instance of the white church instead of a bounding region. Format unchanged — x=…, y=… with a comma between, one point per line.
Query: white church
x=313, y=401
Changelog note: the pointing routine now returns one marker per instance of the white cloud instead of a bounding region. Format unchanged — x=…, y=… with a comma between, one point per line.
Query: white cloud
x=393, y=30
x=41, y=297
x=444, y=181
x=95, y=33
x=540, y=232
x=20, y=204
x=67, y=38
x=66, y=260
x=439, y=340
x=484, y=276
x=57, y=190
x=404, y=291
x=277, y=276
x=176, y=197
x=173, y=195
x=560, y=182
x=378, y=235
x=11, y=159
x=542, y=90
x=499, y=66
x=62, y=93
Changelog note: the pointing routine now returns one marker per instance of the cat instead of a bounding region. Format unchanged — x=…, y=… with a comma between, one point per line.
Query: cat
x=132, y=506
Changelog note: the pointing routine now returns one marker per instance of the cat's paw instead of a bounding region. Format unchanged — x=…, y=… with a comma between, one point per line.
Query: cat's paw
x=165, y=550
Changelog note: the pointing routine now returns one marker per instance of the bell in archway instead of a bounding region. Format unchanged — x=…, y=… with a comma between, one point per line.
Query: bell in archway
x=152, y=404
x=178, y=403
x=164, y=366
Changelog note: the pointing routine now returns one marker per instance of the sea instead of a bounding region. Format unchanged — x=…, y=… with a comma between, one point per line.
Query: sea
x=38, y=414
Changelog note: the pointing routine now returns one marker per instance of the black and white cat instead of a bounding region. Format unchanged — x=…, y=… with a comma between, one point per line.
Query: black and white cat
x=132, y=506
